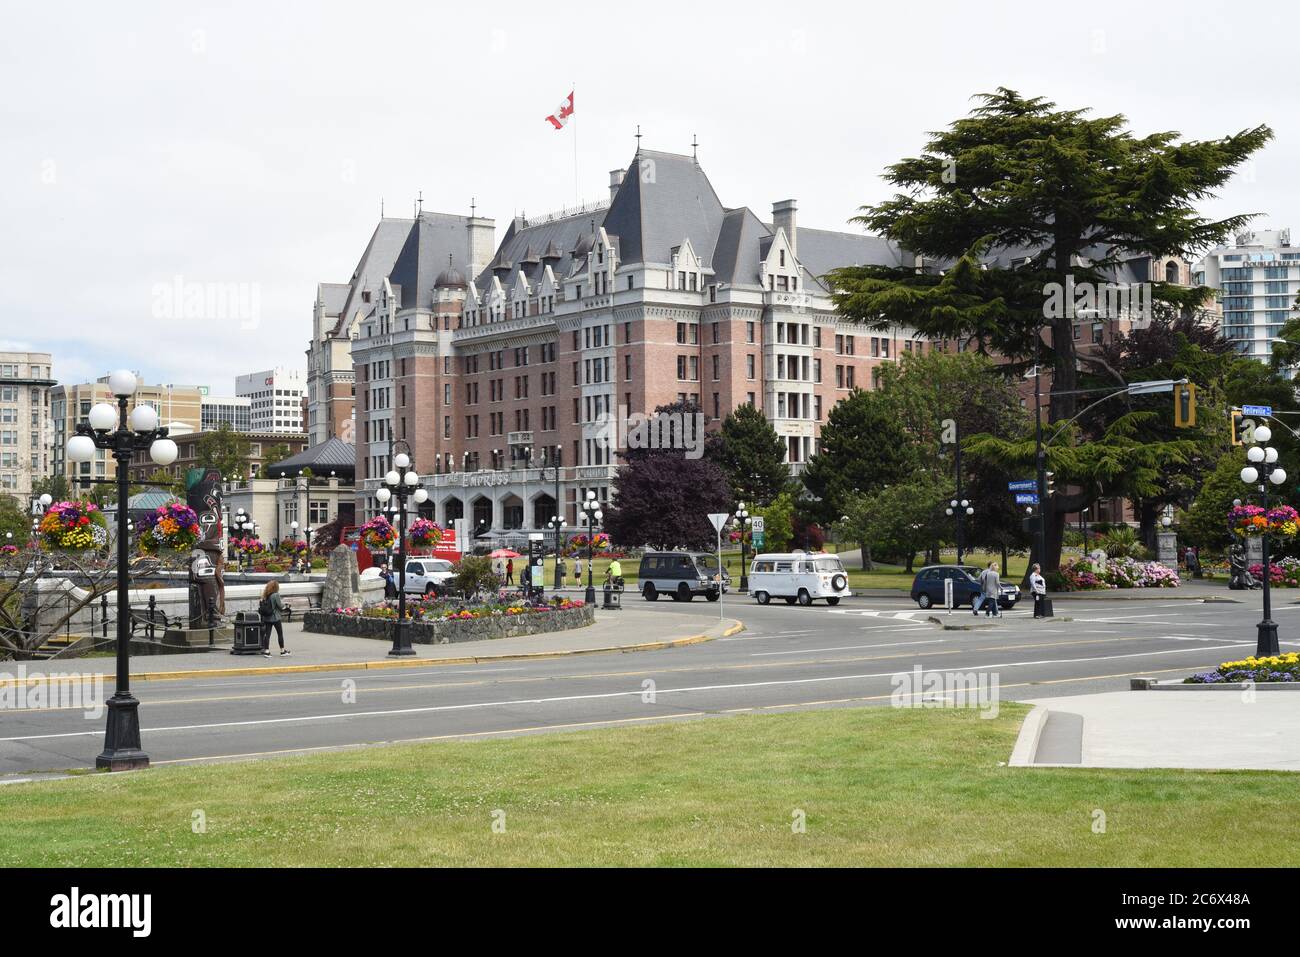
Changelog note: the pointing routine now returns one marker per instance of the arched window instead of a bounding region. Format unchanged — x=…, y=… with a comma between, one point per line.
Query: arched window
x=1171, y=271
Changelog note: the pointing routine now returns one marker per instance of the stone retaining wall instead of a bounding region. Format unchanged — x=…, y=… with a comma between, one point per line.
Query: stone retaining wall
x=446, y=632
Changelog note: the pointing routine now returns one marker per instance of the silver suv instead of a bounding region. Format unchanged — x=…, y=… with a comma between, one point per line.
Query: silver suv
x=683, y=575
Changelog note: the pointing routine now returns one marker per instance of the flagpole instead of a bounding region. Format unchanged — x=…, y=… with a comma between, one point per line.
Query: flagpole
x=577, y=196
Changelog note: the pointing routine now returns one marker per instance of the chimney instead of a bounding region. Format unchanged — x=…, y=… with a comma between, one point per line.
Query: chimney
x=783, y=218
x=615, y=181
x=482, y=243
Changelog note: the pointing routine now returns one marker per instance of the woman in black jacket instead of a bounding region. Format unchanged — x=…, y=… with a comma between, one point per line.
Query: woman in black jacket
x=271, y=608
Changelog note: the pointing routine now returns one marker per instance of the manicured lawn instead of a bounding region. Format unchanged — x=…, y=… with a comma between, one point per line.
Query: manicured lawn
x=878, y=786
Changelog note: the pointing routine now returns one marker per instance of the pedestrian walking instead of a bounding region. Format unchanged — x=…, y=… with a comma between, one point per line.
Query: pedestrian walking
x=510, y=572
x=577, y=571
x=1038, y=589
x=990, y=586
x=559, y=572
x=271, y=609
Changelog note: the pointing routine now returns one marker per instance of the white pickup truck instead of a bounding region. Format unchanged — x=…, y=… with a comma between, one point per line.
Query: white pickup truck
x=428, y=576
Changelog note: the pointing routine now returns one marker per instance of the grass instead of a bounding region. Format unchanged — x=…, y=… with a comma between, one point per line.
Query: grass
x=879, y=786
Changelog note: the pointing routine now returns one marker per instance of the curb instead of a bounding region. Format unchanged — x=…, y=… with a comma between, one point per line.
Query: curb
x=383, y=665
x=1173, y=684
x=1022, y=755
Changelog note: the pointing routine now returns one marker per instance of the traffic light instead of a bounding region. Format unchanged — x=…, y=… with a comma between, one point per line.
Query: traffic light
x=1049, y=484
x=1184, y=406
x=1234, y=427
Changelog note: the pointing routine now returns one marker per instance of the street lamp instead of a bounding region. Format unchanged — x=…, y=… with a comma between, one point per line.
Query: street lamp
x=1263, y=470
x=959, y=508
x=591, y=509
x=401, y=482
x=742, y=519
x=122, y=746
x=556, y=524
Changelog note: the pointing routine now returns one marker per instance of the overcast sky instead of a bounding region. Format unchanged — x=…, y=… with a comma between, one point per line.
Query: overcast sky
x=146, y=144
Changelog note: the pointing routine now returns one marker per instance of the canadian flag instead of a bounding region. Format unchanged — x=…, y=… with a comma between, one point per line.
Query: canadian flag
x=561, y=116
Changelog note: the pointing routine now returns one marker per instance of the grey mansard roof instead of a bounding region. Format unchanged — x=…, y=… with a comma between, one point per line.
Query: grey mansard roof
x=429, y=241
x=376, y=262
x=664, y=199
x=558, y=236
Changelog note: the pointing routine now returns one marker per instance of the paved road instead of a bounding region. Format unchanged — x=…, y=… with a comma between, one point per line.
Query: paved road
x=788, y=657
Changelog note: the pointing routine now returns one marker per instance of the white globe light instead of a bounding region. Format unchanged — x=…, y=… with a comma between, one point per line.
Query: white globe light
x=1250, y=475
x=122, y=382
x=421, y=495
x=1277, y=476
x=1263, y=434
x=402, y=460
x=965, y=502
x=383, y=495
x=1166, y=521
x=948, y=510
x=392, y=478
x=953, y=503
x=81, y=448
x=1270, y=455
x=102, y=416
x=970, y=511
x=591, y=495
x=144, y=418
x=412, y=479
x=599, y=516
x=46, y=500
x=1255, y=453
x=163, y=451
x=294, y=526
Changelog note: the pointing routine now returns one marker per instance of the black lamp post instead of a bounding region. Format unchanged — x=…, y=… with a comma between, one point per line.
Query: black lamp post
x=959, y=508
x=401, y=482
x=556, y=525
x=591, y=509
x=742, y=522
x=1263, y=470
x=122, y=746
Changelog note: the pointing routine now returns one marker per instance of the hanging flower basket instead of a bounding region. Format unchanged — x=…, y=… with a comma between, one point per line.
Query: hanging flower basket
x=170, y=528
x=1253, y=520
x=73, y=527
x=425, y=533
x=378, y=534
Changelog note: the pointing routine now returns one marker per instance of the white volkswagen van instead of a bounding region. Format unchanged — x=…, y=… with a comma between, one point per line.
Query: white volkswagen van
x=798, y=576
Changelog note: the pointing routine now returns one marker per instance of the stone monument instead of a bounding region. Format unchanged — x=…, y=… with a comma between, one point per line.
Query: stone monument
x=342, y=582
x=1167, y=549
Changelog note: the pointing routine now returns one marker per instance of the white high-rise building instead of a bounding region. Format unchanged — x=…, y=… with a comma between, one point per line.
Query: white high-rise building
x=26, y=432
x=276, y=399
x=1258, y=279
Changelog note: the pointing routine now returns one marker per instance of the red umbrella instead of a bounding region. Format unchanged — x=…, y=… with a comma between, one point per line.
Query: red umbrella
x=504, y=553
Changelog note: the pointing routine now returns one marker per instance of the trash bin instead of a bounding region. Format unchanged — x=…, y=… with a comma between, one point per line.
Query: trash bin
x=248, y=634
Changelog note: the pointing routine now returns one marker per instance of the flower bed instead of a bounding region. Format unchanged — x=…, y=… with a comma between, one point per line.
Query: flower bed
x=1283, y=574
x=1278, y=668
x=1085, y=574
x=451, y=623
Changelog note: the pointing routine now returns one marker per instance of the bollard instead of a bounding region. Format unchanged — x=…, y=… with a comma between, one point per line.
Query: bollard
x=103, y=614
x=153, y=602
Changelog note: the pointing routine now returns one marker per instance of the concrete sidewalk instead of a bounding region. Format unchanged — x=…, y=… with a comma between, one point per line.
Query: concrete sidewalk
x=1144, y=729
x=613, y=631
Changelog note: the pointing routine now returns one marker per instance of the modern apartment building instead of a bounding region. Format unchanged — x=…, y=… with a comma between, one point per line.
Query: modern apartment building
x=503, y=371
x=275, y=399
x=234, y=411
x=1258, y=279
x=179, y=408
x=26, y=432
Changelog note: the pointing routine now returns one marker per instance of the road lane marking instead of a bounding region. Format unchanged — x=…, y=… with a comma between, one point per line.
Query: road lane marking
x=891, y=644
x=637, y=692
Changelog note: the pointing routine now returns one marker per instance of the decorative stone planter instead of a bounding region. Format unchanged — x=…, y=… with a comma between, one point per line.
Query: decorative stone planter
x=447, y=632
